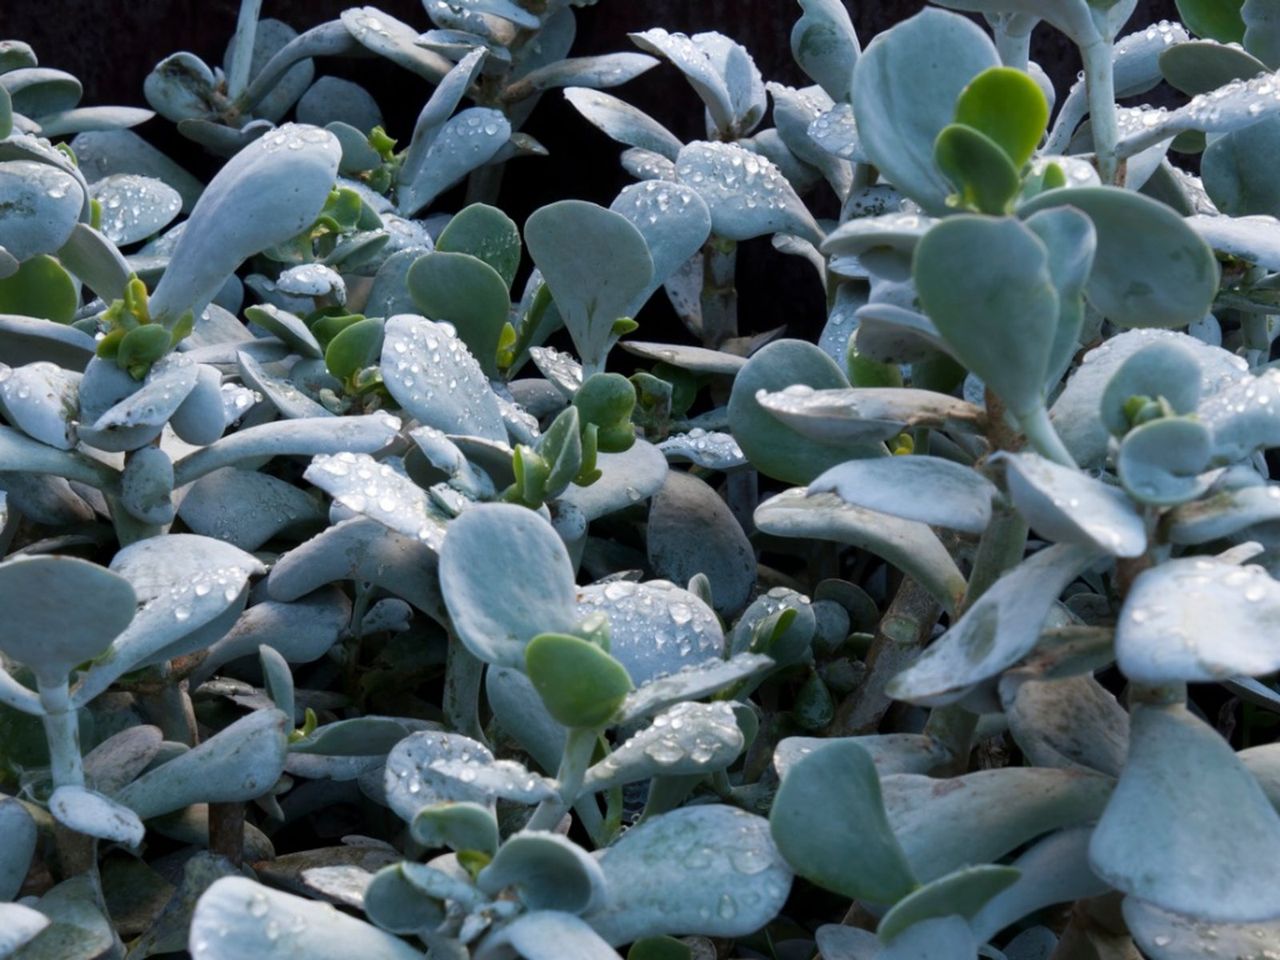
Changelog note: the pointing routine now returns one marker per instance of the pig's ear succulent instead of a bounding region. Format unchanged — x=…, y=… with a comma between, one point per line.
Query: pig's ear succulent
x=312, y=517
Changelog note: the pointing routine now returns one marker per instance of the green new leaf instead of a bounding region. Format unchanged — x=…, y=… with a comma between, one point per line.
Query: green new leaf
x=985, y=178
x=487, y=233
x=40, y=288
x=464, y=290
x=1008, y=106
x=580, y=684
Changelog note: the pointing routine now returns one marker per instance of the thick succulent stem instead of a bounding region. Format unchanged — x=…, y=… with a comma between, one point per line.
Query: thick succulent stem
x=573, y=767
x=1013, y=39
x=463, y=675
x=719, y=294
x=1099, y=75
x=62, y=732
x=903, y=632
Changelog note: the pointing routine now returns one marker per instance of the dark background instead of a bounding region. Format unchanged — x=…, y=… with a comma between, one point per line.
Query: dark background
x=111, y=45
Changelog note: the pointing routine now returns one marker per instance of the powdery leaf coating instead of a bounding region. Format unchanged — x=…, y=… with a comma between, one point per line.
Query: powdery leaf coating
x=689, y=738
x=436, y=380
x=1001, y=628
x=711, y=870
x=656, y=628
x=428, y=767
x=1177, y=616
x=377, y=490
x=506, y=578
x=747, y=195
x=1163, y=838
x=237, y=916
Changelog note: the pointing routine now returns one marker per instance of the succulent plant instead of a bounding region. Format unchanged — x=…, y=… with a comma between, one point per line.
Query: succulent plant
x=326, y=515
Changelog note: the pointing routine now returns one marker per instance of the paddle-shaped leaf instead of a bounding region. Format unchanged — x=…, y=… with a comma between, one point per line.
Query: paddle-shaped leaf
x=672, y=218
x=927, y=489
x=239, y=763
x=1008, y=106
x=467, y=292
x=435, y=379
x=428, y=768
x=266, y=194
x=719, y=70
x=486, y=233
x=1054, y=870
x=747, y=195
x=463, y=143
x=986, y=284
x=547, y=871
x=365, y=486
x=690, y=738
x=42, y=205
x=1000, y=629
x=961, y=893
x=853, y=851
x=237, y=915
x=94, y=815
x=979, y=817
x=1163, y=837
x=184, y=583
x=134, y=207
x=598, y=268
x=711, y=870
x=826, y=46
x=1140, y=237
x=62, y=611
x=905, y=88
x=1177, y=614
x=773, y=447
x=506, y=578
x=580, y=684
x=656, y=628
x=907, y=544
x=1068, y=506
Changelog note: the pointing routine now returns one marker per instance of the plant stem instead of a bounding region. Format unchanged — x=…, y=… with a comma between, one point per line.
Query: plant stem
x=1013, y=39
x=1001, y=547
x=903, y=631
x=1100, y=76
x=578, y=748
x=719, y=295
x=62, y=731
x=242, y=47
x=463, y=673
x=1039, y=430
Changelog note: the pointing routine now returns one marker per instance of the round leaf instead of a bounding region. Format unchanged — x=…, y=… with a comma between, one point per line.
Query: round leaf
x=1009, y=107
x=854, y=854
x=506, y=578
x=61, y=612
x=905, y=88
x=1163, y=837
x=580, y=684
x=467, y=292
x=709, y=869
x=986, y=284
x=1151, y=269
